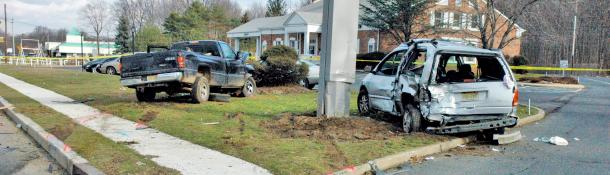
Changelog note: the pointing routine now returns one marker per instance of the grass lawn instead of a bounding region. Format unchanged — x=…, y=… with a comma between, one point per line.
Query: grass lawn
x=103, y=153
x=522, y=111
x=242, y=136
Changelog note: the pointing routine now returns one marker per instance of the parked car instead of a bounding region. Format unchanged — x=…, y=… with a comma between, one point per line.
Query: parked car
x=430, y=82
x=195, y=67
x=92, y=65
x=111, y=66
x=314, y=73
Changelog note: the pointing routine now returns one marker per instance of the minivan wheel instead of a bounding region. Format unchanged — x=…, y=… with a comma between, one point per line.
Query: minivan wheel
x=364, y=103
x=111, y=71
x=411, y=119
x=145, y=94
x=201, y=90
x=249, y=88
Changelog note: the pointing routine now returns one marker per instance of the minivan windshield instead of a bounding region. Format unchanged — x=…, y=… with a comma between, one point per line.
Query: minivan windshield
x=455, y=68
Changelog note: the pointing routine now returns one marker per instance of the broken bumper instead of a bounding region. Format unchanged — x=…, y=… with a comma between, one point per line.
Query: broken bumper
x=152, y=79
x=507, y=122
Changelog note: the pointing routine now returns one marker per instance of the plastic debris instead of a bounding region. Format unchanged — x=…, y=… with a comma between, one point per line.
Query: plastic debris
x=429, y=158
x=461, y=146
x=140, y=126
x=576, y=138
x=542, y=139
x=494, y=149
x=558, y=141
x=211, y=123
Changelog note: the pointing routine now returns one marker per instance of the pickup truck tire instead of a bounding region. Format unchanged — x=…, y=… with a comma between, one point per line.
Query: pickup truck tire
x=145, y=95
x=411, y=119
x=249, y=88
x=201, y=90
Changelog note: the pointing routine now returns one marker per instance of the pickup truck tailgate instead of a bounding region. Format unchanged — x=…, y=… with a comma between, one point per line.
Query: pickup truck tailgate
x=149, y=64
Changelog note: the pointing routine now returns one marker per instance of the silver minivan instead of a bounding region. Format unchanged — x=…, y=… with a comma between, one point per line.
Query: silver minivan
x=442, y=87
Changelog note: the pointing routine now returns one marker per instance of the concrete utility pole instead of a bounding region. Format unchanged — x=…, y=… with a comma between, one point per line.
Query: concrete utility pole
x=5, y=32
x=13, y=32
x=338, y=61
x=574, y=35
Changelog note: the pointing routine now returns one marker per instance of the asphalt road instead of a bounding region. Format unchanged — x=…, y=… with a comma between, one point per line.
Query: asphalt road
x=21, y=155
x=580, y=117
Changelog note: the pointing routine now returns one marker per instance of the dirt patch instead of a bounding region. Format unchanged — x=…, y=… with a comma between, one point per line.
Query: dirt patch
x=148, y=117
x=279, y=90
x=62, y=132
x=289, y=126
x=549, y=80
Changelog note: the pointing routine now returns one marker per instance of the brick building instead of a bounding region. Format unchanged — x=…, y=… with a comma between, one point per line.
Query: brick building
x=301, y=29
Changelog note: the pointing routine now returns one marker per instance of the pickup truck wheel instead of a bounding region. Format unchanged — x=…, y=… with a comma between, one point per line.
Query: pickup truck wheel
x=111, y=71
x=145, y=95
x=411, y=119
x=364, y=103
x=249, y=88
x=201, y=90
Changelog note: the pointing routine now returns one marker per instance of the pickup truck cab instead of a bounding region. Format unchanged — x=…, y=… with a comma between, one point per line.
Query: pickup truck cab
x=449, y=87
x=195, y=67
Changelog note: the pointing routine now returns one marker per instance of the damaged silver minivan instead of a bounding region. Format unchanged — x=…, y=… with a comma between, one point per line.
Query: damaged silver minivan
x=442, y=87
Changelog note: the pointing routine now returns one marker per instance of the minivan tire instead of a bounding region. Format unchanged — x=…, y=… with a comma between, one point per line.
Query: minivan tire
x=111, y=71
x=364, y=103
x=145, y=95
x=201, y=90
x=411, y=120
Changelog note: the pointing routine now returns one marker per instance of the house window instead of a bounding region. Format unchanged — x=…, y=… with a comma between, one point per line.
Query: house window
x=372, y=46
x=438, y=19
x=277, y=42
x=457, y=20
x=458, y=3
x=294, y=44
x=474, y=21
x=264, y=45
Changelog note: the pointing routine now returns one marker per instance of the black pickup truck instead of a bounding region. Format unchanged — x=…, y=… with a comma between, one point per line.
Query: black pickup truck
x=195, y=67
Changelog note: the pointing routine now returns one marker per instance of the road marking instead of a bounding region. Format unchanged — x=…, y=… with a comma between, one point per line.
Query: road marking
x=169, y=151
x=599, y=81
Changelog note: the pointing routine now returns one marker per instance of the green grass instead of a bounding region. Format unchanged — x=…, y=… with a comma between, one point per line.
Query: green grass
x=244, y=138
x=106, y=155
x=522, y=111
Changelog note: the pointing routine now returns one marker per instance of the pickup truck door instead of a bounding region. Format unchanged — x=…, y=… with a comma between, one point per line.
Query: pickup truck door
x=235, y=68
x=382, y=82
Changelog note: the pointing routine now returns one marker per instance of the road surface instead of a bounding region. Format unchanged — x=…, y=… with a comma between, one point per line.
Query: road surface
x=21, y=155
x=583, y=118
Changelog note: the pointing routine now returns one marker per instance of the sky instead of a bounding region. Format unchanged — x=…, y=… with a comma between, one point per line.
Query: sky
x=55, y=14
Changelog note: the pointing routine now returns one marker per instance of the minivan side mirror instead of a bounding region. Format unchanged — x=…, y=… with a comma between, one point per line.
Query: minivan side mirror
x=238, y=56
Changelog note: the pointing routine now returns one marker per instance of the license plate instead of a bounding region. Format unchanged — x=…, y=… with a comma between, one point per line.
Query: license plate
x=151, y=78
x=470, y=96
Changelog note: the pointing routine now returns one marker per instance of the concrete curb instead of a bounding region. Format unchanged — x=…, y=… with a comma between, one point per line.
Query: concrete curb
x=402, y=157
x=62, y=153
x=531, y=119
x=569, y=86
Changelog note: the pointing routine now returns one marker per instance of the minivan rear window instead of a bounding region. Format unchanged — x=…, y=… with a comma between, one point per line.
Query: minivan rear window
x=469, y=69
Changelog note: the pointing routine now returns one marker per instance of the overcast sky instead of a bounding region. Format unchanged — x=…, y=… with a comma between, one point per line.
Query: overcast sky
x=55, y=13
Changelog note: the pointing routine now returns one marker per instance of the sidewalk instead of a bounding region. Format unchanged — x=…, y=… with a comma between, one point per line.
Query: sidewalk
x=166, y=150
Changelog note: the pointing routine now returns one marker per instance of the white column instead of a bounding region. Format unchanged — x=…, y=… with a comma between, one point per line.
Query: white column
x=306, y=43
x=338, y=66
x=286, y=40
x=258, y=46
x=237, y=44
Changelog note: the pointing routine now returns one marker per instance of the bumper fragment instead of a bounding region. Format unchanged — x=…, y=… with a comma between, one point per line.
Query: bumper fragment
x=507, y=122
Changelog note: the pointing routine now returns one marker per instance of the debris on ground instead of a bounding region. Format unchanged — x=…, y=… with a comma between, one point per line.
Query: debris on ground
x=429, y=158
x=549, y=80
x=18, y=125
x=558, y=141
x=289, y=126
x=211, y=123
x=576, y=139
x=494, y=149
x=461, y=146
x=280, y=90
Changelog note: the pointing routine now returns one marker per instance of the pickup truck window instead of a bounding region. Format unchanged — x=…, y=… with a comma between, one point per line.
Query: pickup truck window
x=227, y=51
x=205, y=48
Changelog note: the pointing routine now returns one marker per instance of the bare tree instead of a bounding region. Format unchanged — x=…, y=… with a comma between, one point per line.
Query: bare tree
x=95, y=14
x=257, y=10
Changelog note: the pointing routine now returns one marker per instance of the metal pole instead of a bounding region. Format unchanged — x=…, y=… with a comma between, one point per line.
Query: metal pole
x=5, y=32
x=574, y=40
x=338, y=66
x=13, y=31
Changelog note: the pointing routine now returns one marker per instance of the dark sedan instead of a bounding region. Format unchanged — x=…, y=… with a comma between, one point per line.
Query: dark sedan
x=91, y=65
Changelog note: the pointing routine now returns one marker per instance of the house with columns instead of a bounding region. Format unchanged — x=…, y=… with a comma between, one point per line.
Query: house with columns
x=302, y=30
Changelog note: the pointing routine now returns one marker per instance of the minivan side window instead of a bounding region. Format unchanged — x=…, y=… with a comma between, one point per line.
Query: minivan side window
x=227, y=51
x=390, y=65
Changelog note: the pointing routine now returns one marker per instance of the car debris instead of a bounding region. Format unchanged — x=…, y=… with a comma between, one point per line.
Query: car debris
x=576, y=139
x=429, y=158
x=558, y=141
x=453, y=87
x=495, y=149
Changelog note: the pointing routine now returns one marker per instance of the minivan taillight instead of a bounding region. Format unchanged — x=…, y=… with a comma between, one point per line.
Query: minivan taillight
x=516, y=97
x=180, y=60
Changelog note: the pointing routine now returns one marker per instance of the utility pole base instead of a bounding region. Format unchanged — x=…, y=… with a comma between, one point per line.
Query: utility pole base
x=336, y=99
